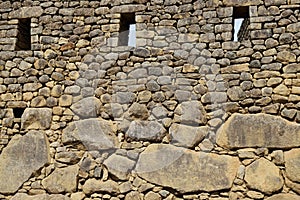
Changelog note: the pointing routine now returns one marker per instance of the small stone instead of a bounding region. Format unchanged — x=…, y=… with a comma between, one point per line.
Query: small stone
x=152, y=196
x=191, y=113
x=138, y=111
x=284, y=197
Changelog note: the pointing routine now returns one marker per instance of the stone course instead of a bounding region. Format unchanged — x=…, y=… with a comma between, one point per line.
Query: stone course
x=184, y=113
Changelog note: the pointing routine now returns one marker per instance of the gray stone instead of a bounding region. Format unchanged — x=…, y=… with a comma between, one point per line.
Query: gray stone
x=264, y=176
x=182, y=169
x=23, y=156
x=94, y=134
x=191, y=113
x=119, y=166
x=62, y=180
x=258, y=130
x=36, y=118
x=87, y=108
x=292, y=163
x=187, y=136
x=138, y=111
x=141, y=52
x=27, y=12
x=284, y=197
x=128, y=8
x=146, y=130
x=236, y=94
x=93, y=185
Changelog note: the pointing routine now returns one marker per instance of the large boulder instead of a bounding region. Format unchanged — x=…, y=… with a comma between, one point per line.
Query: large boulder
x=187, y=136
x=190, y=113
x=94, y=134
x=258, y=130
x=292, y=164
x=146, y=130
x=23, y=156
x=62, y=180
x=264, y=176
x=284, y=197
x=185, y=170
x=87, y=108
x=23, y=196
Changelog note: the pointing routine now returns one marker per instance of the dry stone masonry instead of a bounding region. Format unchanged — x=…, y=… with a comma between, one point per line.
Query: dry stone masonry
x=150, y=100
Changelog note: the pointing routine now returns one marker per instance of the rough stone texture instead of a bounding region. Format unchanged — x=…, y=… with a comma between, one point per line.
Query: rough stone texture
x=36, y=118
x=23, y=156
x=191, y=113
x=187, y=136
x=27, y=12
x=146, y=130
x=176, y=167
x=62, y=180
x=264, y=176
x=284, y=197
x=258, y=130
x=292, y=163
x=93, y=185
x=94, y=134
x=87, y=107
x=22, y=196
x=119, y=166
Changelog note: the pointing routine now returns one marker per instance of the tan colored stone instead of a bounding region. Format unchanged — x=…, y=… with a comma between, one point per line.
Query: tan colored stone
x=182, y=169
x=241, y=2
x=128, y=8
x=292, y=164
x=65, y=100
x=36, y=118
x=258, y=130
x=284, y=197
x=93, y=185
x=62, y=180
x=27, y=12
x=94, y=134
x=286, y=56
x=23, y=196
x=187, y=136
x=264, y=176
x=119, y=166
x=23, y=156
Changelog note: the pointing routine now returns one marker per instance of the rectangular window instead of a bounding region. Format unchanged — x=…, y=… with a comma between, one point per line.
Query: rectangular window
x=240, y=23
x=24, y=35
x=127, y=33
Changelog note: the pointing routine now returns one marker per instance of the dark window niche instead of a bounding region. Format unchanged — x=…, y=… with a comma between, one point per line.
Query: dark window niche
x=18, y=112
x=24, y=35
x=241, y=22
x=127, y=36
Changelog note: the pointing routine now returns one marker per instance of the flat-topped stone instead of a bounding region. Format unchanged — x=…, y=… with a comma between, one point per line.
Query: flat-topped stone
x=258, y=130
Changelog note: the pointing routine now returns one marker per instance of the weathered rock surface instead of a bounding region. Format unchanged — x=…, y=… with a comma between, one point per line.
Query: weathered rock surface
x=62, y=180
x=292, y=164
x=36, y=118
x=187, y=136
x=119, y=166
x=264, y=176
x=87, y=108
x=23, y=156
x=27, y=12
x=94, y=134
x=284, y=197
x=191, y=113
x=183, y=169
x=23, y=196
x=258, y=130
x=146, y=130
x=93, y=185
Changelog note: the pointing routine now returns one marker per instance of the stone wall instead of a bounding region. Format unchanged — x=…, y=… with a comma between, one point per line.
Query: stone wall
x=186, y=114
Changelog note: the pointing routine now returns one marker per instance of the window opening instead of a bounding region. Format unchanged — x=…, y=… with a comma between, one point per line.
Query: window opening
x=24, y=35
x=18, y=112
x=127, y=33
x=241, y=22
